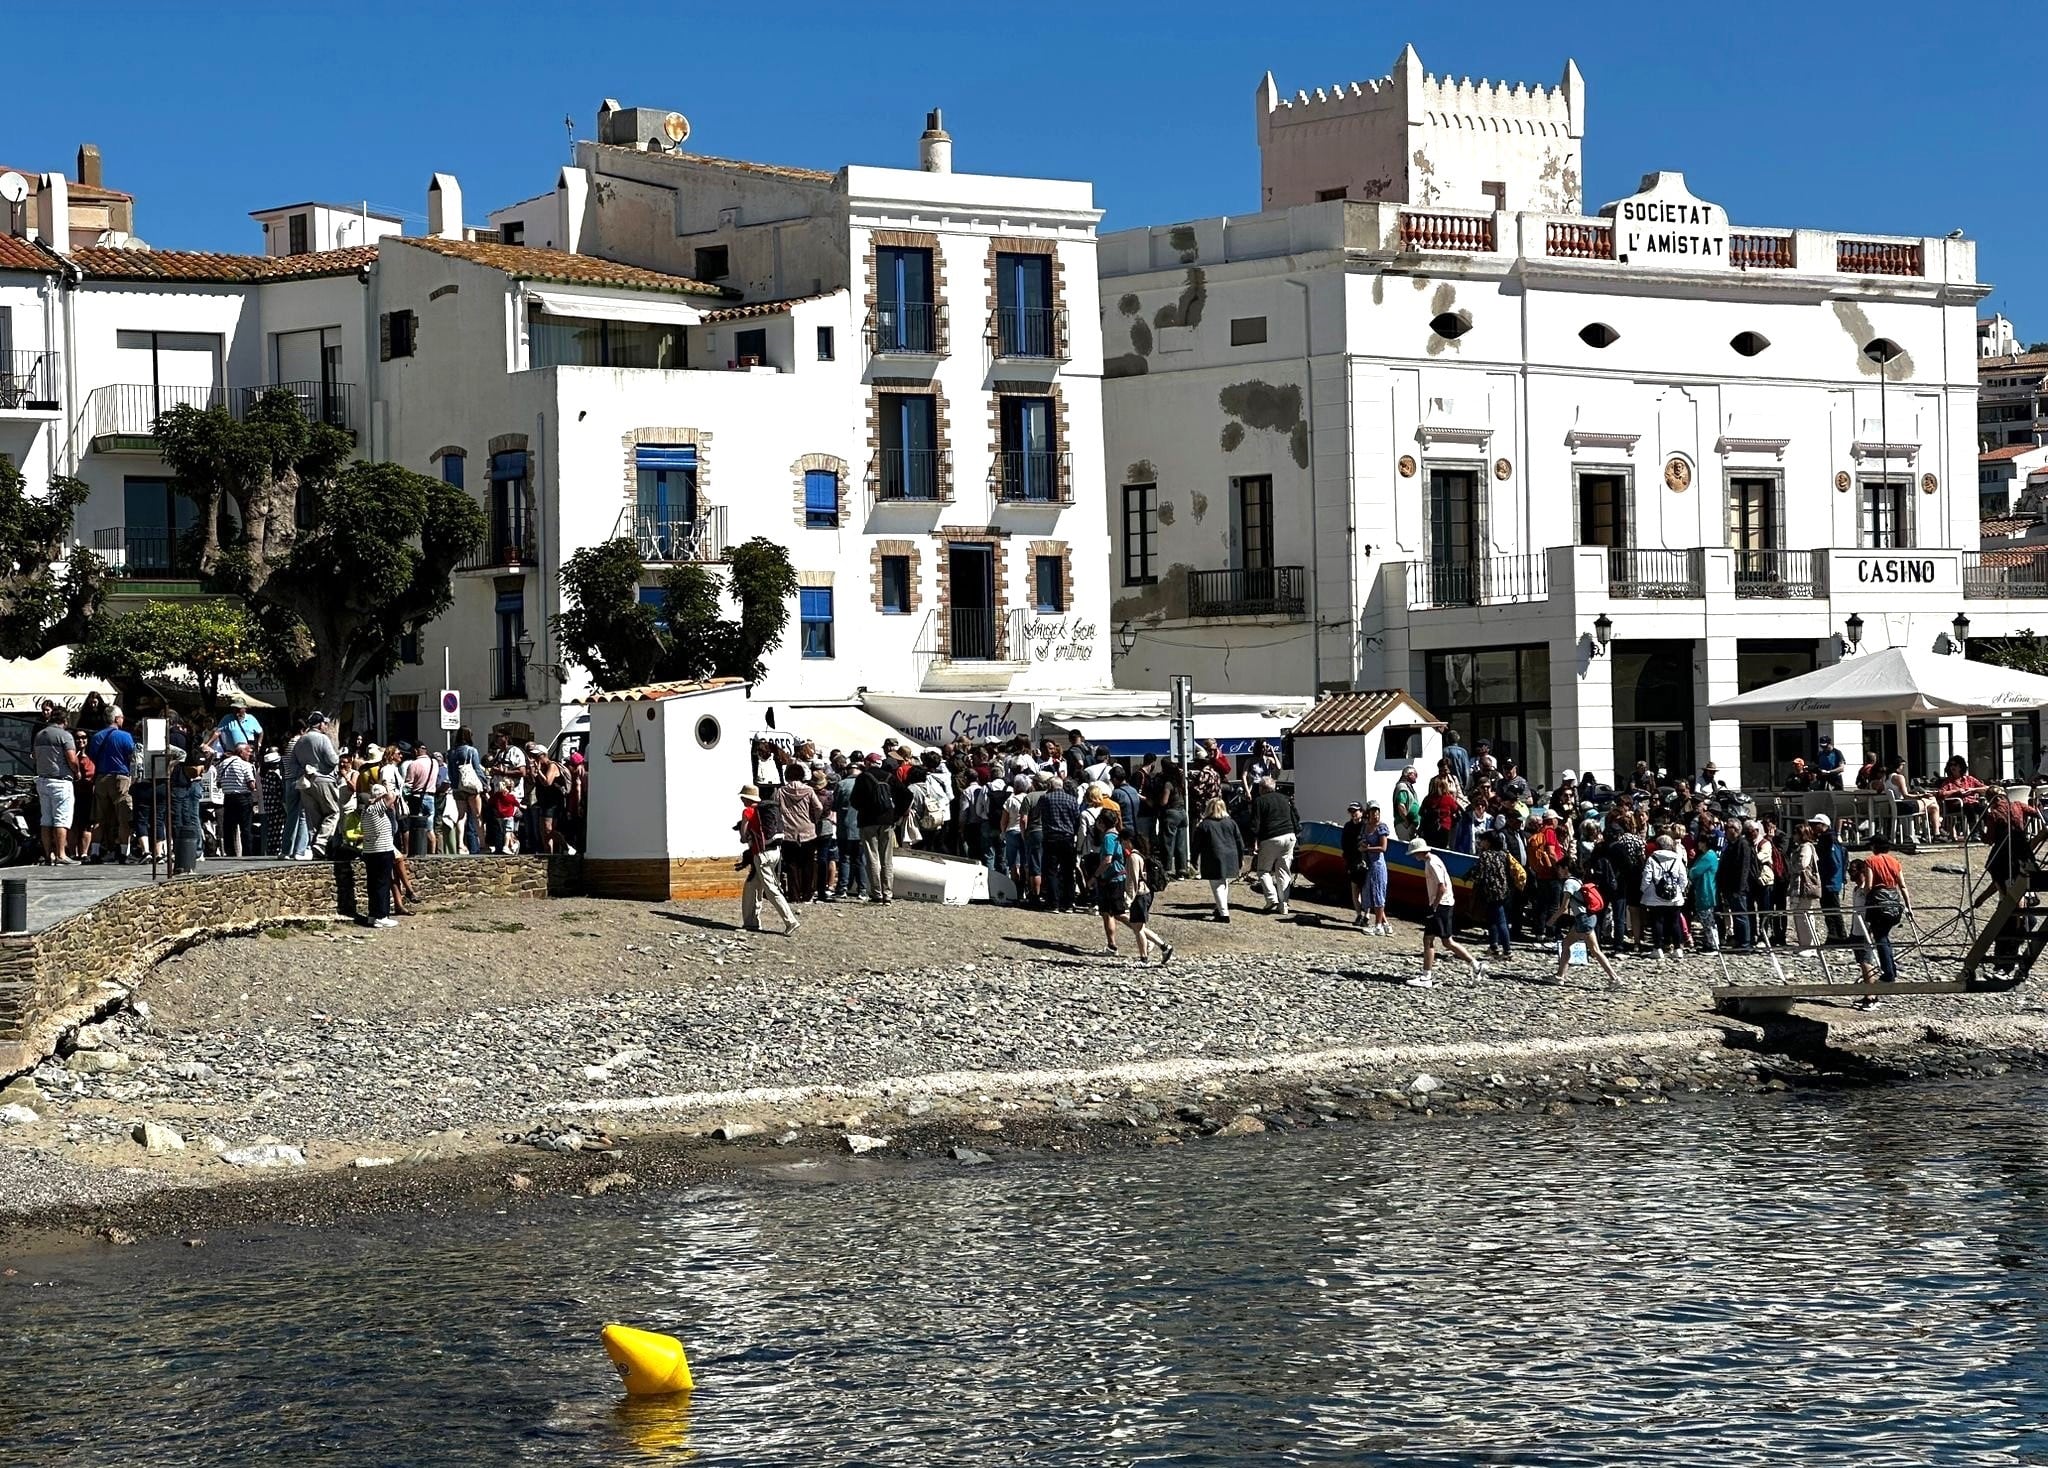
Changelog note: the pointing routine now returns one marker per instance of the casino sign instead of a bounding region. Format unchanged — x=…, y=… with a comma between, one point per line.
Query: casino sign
x=1664, y=224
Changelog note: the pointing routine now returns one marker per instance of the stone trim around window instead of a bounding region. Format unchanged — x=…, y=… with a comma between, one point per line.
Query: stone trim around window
x=998, y=539
x=908, y=550
x=905, y=239
x=805, y=465
x=1065, y=553
x=1004, y=388
x=1021, y=245
x=698, y=438
x=507, y=443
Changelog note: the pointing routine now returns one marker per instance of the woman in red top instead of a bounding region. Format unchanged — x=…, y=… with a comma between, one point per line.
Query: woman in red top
x=1960, y=801
x=1440, y=811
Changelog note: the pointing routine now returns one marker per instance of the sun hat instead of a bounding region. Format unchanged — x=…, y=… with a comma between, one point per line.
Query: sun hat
x=750, y=794
x=1418, y=847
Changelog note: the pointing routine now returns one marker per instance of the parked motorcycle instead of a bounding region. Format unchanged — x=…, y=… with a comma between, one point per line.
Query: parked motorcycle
x=20, y=820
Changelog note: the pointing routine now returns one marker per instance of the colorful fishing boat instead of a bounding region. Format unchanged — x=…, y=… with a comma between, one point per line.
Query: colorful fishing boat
x=1319, y=859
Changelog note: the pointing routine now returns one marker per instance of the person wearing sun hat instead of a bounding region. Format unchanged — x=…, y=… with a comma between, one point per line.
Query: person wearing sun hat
x=1440, y=922
x=761, y=860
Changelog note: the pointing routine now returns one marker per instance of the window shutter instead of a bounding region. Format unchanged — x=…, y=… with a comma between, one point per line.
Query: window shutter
x=384, y=337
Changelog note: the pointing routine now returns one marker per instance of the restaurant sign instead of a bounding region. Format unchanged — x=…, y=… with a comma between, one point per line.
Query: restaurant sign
x=1665, y=225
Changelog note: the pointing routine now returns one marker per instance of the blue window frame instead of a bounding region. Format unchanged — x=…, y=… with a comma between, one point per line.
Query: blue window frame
x=656, y=597
x=895, y=585
x=910, y=461
x=814, y=611
x=452, y=466
x=508, y=506
x=665, y=503
x=509, y=674
x=1048, y=584
x=903, y=299
x=821, y=499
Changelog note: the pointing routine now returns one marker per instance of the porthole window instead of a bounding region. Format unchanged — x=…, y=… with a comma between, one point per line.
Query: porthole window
x=707, y=732
x=1749, y=343
x=1599, y=334
x=1450, y=325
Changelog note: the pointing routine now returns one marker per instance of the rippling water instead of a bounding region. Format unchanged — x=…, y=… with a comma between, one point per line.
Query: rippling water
x=1843, y=1280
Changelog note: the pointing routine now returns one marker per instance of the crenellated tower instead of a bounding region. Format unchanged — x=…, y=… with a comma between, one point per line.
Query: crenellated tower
x=1412, y=138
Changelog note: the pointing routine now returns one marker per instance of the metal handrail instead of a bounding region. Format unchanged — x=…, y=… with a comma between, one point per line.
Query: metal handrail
x=1482, y=582
x=1262, y=591
x=1033, y=476
x=1780, y=575
x=673, y=540
x=29, y=379
x=2015, y=574
x=1655, y=575
x=1026, y=332
x=911, y=476
x=909, y=329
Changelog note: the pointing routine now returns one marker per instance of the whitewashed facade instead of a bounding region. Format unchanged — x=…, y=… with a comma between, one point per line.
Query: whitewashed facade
x=1570, y=477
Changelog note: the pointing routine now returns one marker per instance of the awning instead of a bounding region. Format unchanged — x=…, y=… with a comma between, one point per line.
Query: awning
x=26, y=682
x=1128, y=722
x=830, y=726
x=1894, y=683
x=672, y=310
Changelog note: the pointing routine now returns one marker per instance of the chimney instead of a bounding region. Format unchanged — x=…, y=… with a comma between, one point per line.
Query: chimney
x=53, y=211
x=935, y=148
x=444, y=207
x=89, y=165
x=572, y=197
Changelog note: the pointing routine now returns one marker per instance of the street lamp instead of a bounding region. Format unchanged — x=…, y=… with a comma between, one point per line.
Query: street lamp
x=1959, y=631
x=1126, y=639
x=1603, y=633
x=1854, y=629
x=525, y=646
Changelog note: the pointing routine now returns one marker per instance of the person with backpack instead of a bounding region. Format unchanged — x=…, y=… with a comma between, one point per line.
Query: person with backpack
x=1440, y=919
x=1576, y=919
x=1663, y=890
x=1881, y=884
x=1493, y=884
x=1546, y=864
x=1122, y=891
x=874, y=801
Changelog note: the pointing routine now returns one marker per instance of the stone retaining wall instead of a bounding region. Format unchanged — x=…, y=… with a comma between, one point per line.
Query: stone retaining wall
x=48, y=978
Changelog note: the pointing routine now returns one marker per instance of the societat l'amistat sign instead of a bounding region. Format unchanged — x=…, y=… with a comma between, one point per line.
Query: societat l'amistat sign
x=1664, y=224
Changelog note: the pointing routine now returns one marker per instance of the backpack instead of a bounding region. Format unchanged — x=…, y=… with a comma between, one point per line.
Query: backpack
x=1518, y=875
x=1591, y=899
x=931, y=805
x=1667, y=884
x=1542, y=861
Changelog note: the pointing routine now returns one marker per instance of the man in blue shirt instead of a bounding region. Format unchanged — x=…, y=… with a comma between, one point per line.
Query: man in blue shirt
x=1460, y=758
x=237, y=727
x=112, y=752
x=1059, y=815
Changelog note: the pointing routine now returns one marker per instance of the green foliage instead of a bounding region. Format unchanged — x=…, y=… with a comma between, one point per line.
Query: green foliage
x=335, y=559
x=621, y=641
x=48, y=593
x=204, y=641
x=2023, y=652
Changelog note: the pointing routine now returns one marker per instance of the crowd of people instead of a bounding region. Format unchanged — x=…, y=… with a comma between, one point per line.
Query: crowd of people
x=1656, y=868
x=1070, y=827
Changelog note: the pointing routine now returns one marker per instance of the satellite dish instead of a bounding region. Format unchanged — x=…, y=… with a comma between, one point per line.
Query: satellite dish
x=677, y=127
x=14, y=188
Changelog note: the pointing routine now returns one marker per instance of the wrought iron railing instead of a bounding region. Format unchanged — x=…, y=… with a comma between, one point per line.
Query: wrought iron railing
x=134, y=551
x=973, y=635
x=28, y=380
x=2005, y=574
x=1484, y=582
x=665, y=539
x=911, y=476
x=130, y=409
x=1782, y=575
x=1028, y=331
x=1033, y=476
x=332, y=403
x=909, y=329
x=508, y=544
x=1656, y=575
x=1265, y=591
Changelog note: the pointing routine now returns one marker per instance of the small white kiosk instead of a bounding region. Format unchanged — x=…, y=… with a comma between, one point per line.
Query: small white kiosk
x=666, y=765
x=1353, y=746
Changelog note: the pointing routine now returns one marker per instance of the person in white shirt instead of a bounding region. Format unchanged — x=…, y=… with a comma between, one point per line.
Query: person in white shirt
x=239, y=803
x=1441, y=923
x=1663, y=895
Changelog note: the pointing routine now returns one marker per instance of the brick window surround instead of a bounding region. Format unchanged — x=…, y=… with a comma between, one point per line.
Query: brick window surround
x=908, y=239
x=805, y=465
x=990, y=535
x=1008, y=387
x=908, y=550
x=697, y=438
x=1020, y=245
x=1065, y=554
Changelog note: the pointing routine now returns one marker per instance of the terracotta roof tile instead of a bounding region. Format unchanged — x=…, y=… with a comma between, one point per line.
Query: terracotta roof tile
x=773, y=170
x=2006, y=524
x=1358, y=713
x=1989, y=365
x=2018, y=556
x=207, y=267
x=530, y=262
x=759, y=308
x=2006, y=451
x=20, y=254
x=650, y=692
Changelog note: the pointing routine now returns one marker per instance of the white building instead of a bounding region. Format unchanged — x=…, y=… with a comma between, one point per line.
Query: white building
x=894, y=372
x=1569, y=477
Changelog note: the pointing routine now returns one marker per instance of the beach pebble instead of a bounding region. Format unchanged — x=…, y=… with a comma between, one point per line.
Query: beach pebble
x=264, y=1154
x=156, y=1140
x=968, y=1157
x=14, y=1114
x=859, y=1142
x=610, y=1182
x=1423, y=1084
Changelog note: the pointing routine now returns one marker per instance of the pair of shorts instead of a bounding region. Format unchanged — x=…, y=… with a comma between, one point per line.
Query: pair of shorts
x=1586, y=922
x=1442, y=922
x=1110, y=900
x=1141, y=909
x=55, y=797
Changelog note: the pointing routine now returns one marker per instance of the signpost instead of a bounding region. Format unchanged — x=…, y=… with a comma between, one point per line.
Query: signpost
x=1180, y=719
x=451, y=709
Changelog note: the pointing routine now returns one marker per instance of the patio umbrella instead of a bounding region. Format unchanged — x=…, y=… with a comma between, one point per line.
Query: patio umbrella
x=1894, y=684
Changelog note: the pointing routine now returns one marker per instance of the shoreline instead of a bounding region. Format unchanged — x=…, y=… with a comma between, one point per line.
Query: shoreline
x=981, y=1118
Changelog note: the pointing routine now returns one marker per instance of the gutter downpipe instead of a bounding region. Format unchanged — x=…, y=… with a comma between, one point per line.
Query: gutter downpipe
x=74, y=411
x=1315, y=544
x=540, y=546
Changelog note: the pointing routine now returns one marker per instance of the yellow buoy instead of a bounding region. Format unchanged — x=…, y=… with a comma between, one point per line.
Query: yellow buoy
x=650, y=1365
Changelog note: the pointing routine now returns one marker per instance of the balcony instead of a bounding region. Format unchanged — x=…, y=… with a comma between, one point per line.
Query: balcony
x=1033, y=477
x=1779, y=575
x=1656, y=575
x=674, y=540
x=1028, y=333
x=1753, y=251
x=911, y=477
x=1450, y=234
x=122, y=416
x=2017, y=574
x=1880, y=257
x=971, y=647
x=1479, y=583
x=132, y=553
x=1565, y=239
x=508, y=674
x=508, y=547
x=909, y=329
x=1267, y=591
x=29, y=382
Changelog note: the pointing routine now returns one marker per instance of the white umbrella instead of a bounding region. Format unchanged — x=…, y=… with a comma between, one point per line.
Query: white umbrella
x=1891, y=684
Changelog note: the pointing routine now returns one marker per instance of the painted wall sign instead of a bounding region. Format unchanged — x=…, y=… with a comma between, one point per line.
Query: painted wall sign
x=1059, y=640
x=1895, y=571
x=938, y=721
x=1665, y=225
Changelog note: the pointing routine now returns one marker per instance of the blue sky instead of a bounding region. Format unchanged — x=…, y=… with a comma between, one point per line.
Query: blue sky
x=1902, y=120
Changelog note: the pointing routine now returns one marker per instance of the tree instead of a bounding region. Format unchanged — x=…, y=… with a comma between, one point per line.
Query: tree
x=622, y=641
x=47, y=597
x=180, y=649
x=2023, y=652
x=336, y=559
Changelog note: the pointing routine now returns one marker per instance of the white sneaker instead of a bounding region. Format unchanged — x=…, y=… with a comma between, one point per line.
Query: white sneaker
x=303, y=856
x=1477, y=971
x=1422, y=982
x=385, y=923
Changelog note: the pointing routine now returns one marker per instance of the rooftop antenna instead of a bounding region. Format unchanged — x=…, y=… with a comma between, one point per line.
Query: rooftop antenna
x=569, y=127
x=677, y=129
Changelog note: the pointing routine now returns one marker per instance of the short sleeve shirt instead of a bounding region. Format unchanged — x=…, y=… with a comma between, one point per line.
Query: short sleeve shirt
x=53, y=749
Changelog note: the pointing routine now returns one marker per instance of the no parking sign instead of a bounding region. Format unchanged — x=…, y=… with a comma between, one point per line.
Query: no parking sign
x=451, y=709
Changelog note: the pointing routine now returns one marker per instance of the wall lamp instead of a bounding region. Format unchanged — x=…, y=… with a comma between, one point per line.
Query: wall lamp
x=1959, y=632
x=1603, y=633
x=1126, y=639
x=1853, y=630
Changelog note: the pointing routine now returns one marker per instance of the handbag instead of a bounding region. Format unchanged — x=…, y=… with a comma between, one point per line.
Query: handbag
x=467, y=781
